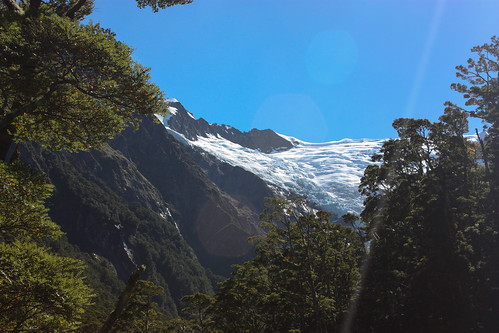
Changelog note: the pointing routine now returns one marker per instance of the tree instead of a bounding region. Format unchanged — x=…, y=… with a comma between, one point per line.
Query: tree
x=66, y=84
x=141, y=313
x=198, y=303
x=76, y=8
x=72, y=9
x=241, y=301
x=303, y=277
x=481, y=93
x=22, y=195
x=423, y=211
x=39, y=291
x=157, y=4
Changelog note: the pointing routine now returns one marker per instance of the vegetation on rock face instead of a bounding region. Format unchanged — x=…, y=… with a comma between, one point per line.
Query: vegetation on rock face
x=99, y=222
x=66, y=85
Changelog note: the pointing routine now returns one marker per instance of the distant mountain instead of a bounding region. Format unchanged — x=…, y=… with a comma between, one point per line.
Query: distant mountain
x=183, y=197
x=144, y=200
x=182, y=121
x=326, y=174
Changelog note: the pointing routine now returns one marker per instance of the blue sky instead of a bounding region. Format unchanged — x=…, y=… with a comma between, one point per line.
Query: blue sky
x=319, y=70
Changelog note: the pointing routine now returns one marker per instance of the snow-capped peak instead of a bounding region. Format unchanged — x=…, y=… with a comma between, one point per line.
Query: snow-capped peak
x=327, y=174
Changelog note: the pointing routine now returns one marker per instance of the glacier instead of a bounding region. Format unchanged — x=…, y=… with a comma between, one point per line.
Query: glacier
x=326, y=174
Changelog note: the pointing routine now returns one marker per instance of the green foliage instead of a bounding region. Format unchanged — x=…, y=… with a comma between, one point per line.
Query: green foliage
x=39, y=291
x=241, y=300
x=74, y=9
x=481, y=92
x=141, y=313
x=198, y=304
x=303, y=277
x=66, y=84
x=69, y=85
x=22, y=196
x=482, y=75
x=424, y=213
x=179, y=325
x=157, y=4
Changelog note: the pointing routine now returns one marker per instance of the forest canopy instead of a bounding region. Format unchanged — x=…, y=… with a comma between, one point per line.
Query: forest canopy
x=430, y=227
x=68, y=84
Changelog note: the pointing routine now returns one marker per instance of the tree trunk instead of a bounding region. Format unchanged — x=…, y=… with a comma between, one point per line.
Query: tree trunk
x=122, y=301
x=9, y=150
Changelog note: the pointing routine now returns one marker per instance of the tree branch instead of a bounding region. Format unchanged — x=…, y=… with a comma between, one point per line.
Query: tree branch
x=14, y=7
x=73, y=9
x=122, y=301
x=484, y=154
x=6, y=120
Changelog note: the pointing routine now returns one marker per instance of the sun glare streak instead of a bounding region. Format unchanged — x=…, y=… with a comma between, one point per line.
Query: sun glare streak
x=409, y=112
x=425, y=58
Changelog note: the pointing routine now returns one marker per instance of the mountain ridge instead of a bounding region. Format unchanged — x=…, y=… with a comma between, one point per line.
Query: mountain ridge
x=326, y=174
x=185, y=205
x=182, y=121
x=143, y=200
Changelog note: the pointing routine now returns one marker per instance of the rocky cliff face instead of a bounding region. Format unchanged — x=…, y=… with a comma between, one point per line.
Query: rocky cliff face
x=183, y=122
x=144, y=200
x=246, y=187
x=214, y=223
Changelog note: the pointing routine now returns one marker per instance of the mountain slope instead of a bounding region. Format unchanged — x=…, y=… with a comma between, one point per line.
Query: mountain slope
x=204, y=213
x=144, y=200
x=117, y=229
x=326, y=174
x=184, y=203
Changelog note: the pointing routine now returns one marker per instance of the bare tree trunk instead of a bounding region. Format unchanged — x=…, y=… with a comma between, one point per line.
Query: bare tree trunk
x=9, y=151
x=484, y=154
x=72, y=11
x=122, y=301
